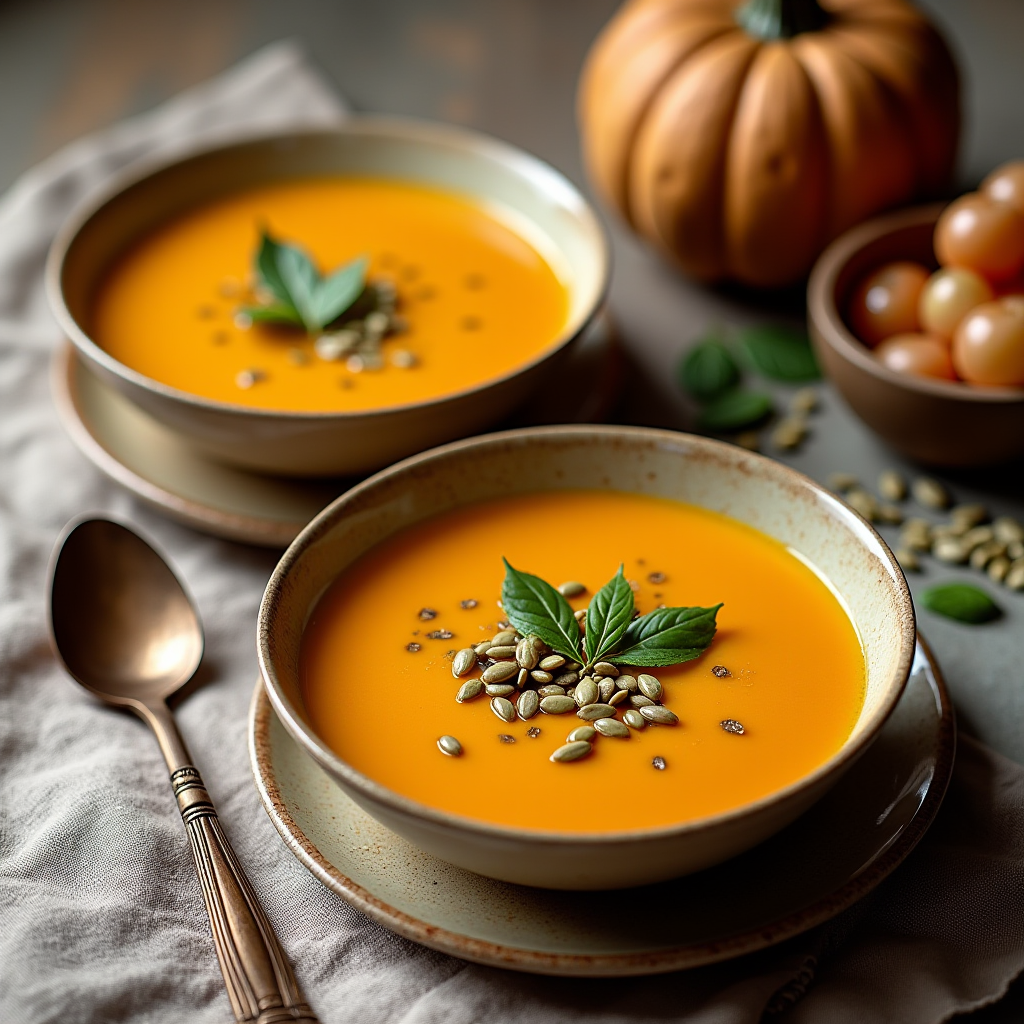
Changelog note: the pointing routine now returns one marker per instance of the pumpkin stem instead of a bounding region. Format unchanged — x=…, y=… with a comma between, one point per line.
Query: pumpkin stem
x=781, y=19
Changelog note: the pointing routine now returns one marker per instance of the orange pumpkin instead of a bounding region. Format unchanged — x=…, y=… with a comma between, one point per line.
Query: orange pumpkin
x=742, y=139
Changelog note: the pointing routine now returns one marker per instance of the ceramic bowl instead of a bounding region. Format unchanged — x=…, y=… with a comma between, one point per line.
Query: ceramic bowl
x=331, y=443
x=728, y=479
x=943, y=423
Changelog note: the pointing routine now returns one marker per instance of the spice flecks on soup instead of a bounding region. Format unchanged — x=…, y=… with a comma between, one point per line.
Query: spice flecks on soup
x=775, y=695
x=475, y=298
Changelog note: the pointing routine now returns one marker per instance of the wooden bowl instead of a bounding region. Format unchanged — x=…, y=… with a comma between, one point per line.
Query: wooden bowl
x=943, y=423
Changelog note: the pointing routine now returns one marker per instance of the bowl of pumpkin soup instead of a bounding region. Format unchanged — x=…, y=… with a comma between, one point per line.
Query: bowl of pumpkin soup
x=586, y=657
x=327, y=301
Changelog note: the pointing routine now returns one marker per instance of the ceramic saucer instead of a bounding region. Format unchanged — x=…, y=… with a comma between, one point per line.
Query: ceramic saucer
x=154, y=463
x=831, y=857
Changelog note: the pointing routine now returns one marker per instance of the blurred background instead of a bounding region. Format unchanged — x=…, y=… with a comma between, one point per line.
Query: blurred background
x=505, y=66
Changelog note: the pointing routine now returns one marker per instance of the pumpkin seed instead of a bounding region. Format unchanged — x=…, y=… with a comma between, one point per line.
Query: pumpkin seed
x=617, y=698
x=977, y=536
x=984, y=553
x=611, y=727
x=659, y=763
x=566, y=679
x=638, y=700
x=634, y=719
x=951, y=550
x=501, y=651
x=551, y=690
x=571, y=588
x=908, y=559
x=551, y=662
x=998, y=568
x=1015, y=577
x=605, y=689
x=503, y=737
x=841, y=482
x=605, y=668
x=628, y=683
x=499, y=672
x=505, y=637
x=891, y=514
x=469, y=690
x=789, y=432
x=943, y=530
x=660, y=715
x=930, y=493
x=483, y=648
x=1015, y=550
x=720, y=672
x=522, y=679
x=863, y=502
x=1008, y=530
x=892, y=486
x=533, y=732
x=586, y=693
x=527, y=654
x=592, y=712
x=499, y=689
x=503, y=708
x=731, y=725
x=528, y=704
x=582, y=732
x=804, y=401
x=463, y=662
x=557, y=705
x=540, y=676
x=571, y=751
x=917, y=535
x=449, y=745
x=650, y=686
x=969, y=515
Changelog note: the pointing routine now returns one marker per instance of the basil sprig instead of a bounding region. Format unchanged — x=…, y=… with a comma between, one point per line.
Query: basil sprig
x=666, y=636
x=299, y=296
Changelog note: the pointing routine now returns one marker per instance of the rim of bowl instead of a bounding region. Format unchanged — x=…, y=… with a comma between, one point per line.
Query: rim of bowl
x=326, y=520
x=532, y=168
x=826, y=315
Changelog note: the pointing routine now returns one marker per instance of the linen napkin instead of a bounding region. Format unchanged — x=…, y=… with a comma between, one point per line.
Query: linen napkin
x=101, y=916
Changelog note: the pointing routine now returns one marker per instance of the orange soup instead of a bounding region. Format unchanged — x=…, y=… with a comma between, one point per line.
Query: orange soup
x=477, y=298
x=774, y=696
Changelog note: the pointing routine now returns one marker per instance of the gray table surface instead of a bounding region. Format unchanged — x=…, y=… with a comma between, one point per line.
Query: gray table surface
x=509, y=67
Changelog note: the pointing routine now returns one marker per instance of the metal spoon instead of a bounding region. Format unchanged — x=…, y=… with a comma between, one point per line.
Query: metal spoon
x=122, y=624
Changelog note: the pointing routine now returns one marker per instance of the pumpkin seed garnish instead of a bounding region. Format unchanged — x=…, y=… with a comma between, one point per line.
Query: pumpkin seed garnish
x=469, y=690
x=469, y=603
x=551, y=690
x=449, y=745
x=533, y=732
x=571, y=751
x=721, y=671
x=503, y=737
x=731, y=725
x=650, y=686
x=557, y=705
x=611, y=727
x=528, y=704
x=501, y=651
x=566, y=679
x=617, y=698
x=505, y=637
x=413, y=647
x=426, y=614
x=539, y=676
x=571, y=588
x=605, y=668
x=892, y=486
x=930, y=493
x=499, y=672
x=503, y=708
x=659, y=763
x=440, y=634
x=499, y=689
x=582, y=732
x=528, y=652
x=483, y=648
x=586, y=693
x=592, y=712
x=634, y=719
x=638, y=700
x=627, y=683
x=463, y=662
x=659, y=715
x=551, y=662
x=605, y=689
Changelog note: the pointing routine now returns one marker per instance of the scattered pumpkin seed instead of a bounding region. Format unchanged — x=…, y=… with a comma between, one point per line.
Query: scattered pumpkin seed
x=449, y=745
x=998, y=568
x=634, y=719
x=617, y=698
x=908, y=559
x=659, y=763
x=638, y=700
x=469, y=691
x=951, y=550
x=440, y=634
x=627, y=683
x=841, y=482
x=863, y=502
x=539, y=676
x=892, y=486
x=660, y=715
x=566, y=679
x=890, y=514
x=611, y=727
x=731, y=725
x=505, y=637
x=721, y=672
x=917, y=535
x=551, y=690
x=950, y=529
x=592, y=712
x=571, y=751
x=501, y=651
x=581, y=615
x=499, y=689
x=503, y=708
x=789, y=432
x=804, y=401
x=533, y=732
x=499, y=672
x=571, y=588
x=984, y=553
x=463, y=662
x=1008, y=530
x=969, y=515
x=469, y=603
x=582, y=732
x=650, y=686
x=978, y=535
x=522, y=679
x=1015, y=550
x=605, y=668
x=1015, y=577
x=426, y=614
x=586, y=693
x=413, y=647
x=557, y=705
x=605, y=688
x=528, y=704
x=551, y=662
x=503, y=737
x=483, y=648
x=930, y=493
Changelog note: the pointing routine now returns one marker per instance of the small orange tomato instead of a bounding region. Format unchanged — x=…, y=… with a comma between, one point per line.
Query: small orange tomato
x=988, y=347
x=948, y=296
x=923, y=355
x=885, y=302
x=981, y=234
x=1006, y=185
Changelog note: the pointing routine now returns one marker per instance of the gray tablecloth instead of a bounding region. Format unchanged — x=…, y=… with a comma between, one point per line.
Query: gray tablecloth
x=101, y=917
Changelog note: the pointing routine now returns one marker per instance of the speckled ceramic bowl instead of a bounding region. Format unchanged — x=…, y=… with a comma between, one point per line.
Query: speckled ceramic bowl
x=330, y=443
x=728, y=479
x=944, y=423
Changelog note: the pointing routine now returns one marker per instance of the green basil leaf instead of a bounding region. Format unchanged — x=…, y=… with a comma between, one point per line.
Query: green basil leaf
x=962, y=602
x=267, y=270
x=735, y=410
x=534, y=606
x=667, y=636
x=609, y=613
x=276, y=313
x=300, y=277
x=780, y=353
x=708, y=370
x=336, y=293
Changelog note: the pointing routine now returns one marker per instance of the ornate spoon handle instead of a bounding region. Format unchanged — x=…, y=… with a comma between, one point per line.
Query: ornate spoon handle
x=259, y=979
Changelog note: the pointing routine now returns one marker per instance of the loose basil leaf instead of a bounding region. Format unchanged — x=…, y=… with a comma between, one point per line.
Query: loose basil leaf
x=962, y=602
x=735, y=410
x=609, y=613
x=534, y=606
x=300, y=277
x=708, y=370
x=780, y=353
x=336, y=293
x=275, y=313
x=667, y=636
